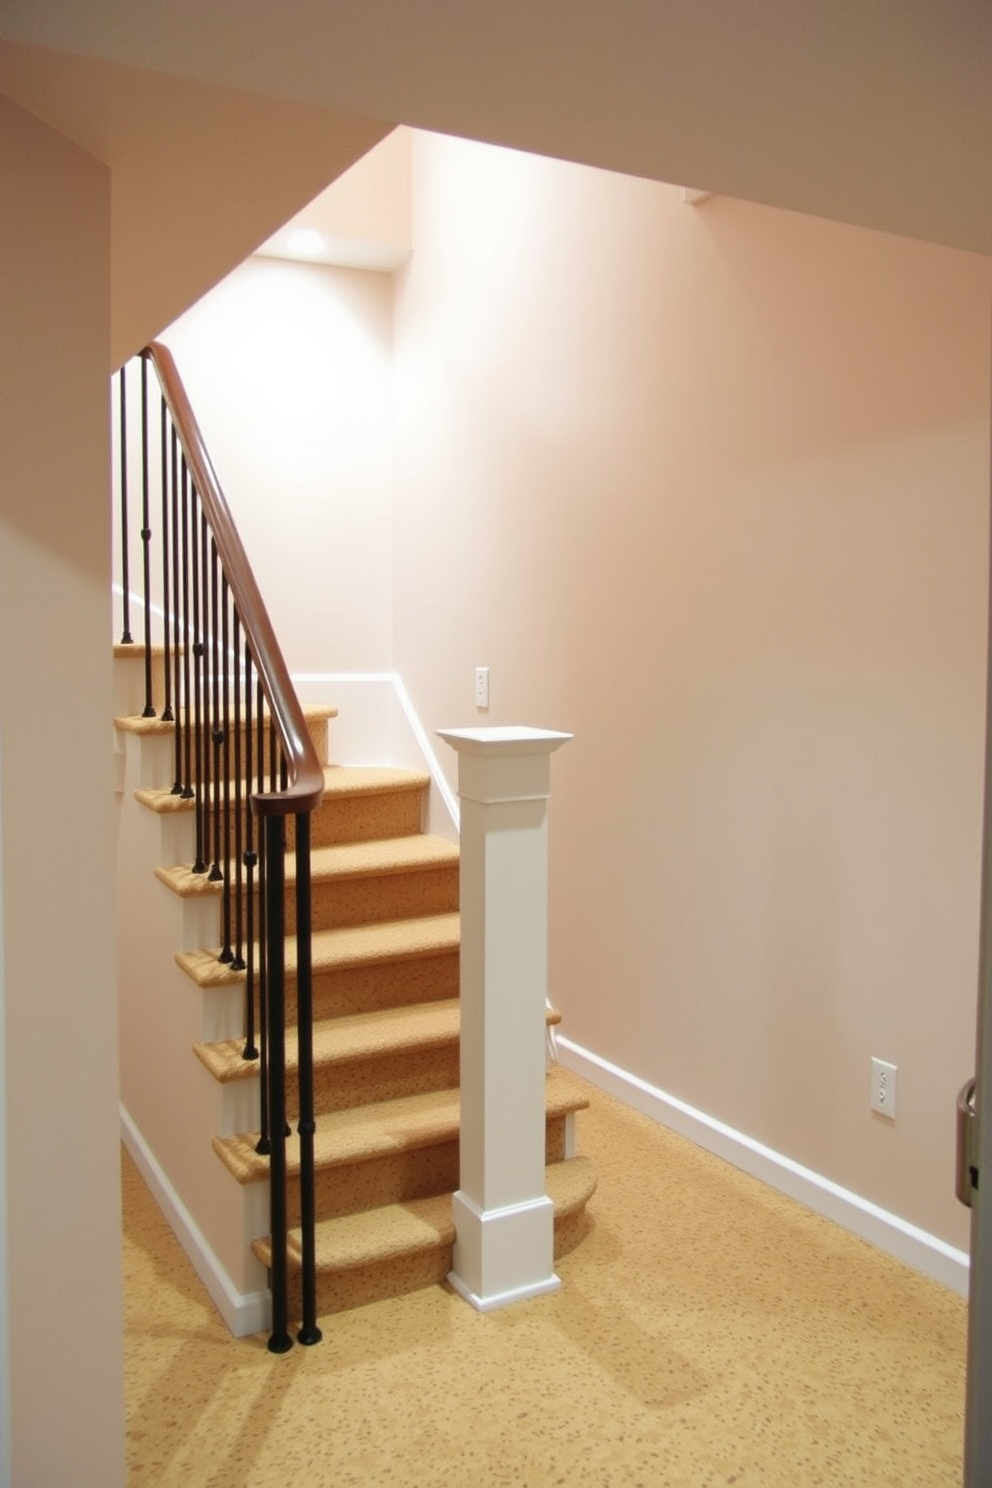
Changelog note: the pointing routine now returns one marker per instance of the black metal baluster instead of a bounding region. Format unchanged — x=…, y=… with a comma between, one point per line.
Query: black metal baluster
x=146, y=538
x=177, y=785
x=126, y=638
x=224, y=778
x=200, y=864
x=274, y=757
x=217, y=731
x=238, y=959
x=251, y=862
x=263, y=965
x=275, y=848
x=309, y=1331
x=206, y=792
x=189, y=638
x=167, y=713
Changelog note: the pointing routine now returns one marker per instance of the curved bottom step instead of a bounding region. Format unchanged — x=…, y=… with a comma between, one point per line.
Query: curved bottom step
x=399, y=1248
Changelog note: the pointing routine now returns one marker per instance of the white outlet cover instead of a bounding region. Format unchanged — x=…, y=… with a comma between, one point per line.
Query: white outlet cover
x=883, y=1088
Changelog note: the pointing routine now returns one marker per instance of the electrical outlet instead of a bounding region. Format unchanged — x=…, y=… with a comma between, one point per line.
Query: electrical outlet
x=482, y=687
x=883, y=1088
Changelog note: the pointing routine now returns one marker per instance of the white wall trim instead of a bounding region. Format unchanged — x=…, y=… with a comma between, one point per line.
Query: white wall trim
x=395, y=682
x=244, y=1313
x=448, y=796
x=897, y=1237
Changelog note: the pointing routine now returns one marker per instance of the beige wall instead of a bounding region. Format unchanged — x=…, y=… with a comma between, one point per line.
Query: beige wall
x=363, y=219
x=200, y=174
x=288, y=367
x=60, y=1074
x=709, y=487
x=878, y=113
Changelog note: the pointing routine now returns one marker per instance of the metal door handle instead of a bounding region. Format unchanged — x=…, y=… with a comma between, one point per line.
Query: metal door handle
x=966, y=1162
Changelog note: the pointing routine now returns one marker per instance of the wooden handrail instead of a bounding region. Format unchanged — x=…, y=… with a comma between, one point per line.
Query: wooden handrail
x=304, y=772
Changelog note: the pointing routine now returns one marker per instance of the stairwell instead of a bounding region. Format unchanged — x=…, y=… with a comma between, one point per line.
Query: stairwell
x=386, y=1029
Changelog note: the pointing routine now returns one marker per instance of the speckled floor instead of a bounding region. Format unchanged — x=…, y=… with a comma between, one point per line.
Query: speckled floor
x=707, y=1332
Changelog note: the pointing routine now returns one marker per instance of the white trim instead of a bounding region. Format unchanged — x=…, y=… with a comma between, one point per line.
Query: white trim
x=917, y=1248
x=393, y=680
x=437, y=774
x=244, y=1313
x=502, y=1299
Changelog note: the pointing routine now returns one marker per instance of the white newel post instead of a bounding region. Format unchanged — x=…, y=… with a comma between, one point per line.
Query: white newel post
x=504, y=1220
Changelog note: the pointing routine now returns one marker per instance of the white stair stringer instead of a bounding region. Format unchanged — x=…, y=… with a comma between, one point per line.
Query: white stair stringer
x=172, y=1105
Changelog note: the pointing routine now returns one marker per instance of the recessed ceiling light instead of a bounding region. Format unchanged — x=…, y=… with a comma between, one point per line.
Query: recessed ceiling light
x=306, y=242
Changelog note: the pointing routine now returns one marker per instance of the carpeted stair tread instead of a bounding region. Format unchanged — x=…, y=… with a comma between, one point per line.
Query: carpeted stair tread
x=349, y=946
x=350, y=860
x=339, y=780
x=343, y=1040
x=382, y=856
x=356, y=1036
x=364, y=1133
x=372, y=780
x=378, y=1236
x=137, y=723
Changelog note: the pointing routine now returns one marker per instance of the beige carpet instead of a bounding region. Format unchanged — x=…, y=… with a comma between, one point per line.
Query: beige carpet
x=707, y=1332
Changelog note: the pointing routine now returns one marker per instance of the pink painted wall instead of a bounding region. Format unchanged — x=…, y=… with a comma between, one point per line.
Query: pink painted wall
x=61, y=1366
x=872, y=113
x=289, y=369
x=710, y=488
x=200, y=174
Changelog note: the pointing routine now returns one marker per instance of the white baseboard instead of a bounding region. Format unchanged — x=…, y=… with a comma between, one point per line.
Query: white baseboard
x=244, y=1313
x=897, y=1237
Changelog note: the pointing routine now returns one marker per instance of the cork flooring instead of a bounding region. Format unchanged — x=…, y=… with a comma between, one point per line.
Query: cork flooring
x=707, y=1332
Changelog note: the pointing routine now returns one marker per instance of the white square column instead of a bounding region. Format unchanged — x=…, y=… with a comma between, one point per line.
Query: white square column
x=504, y=1220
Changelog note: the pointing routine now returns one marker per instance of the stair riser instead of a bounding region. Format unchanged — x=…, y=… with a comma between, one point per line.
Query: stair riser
x=367, y=989
x=129, y=679
x=237, y=742
x=359, y=1286
x=398, y=1177
x=355, y=1187
x=347, y=1086
x=159, y=741
x=362, y=989
x=340, y=1291
x=368, y=818
x=376, y=900
x=341, y=1087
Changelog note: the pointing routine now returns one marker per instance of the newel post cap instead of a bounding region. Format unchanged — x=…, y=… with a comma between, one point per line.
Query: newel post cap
x=510, y=762
x=505, y=739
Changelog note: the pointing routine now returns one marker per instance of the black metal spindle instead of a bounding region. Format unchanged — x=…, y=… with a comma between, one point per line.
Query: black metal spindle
x=167, y=713
x=263, y=964
x=177, y=659
x=206, y=794
x=273, y=755
x=217, y=724
x=273, y=826
x=224, y=775
x=309, y=1331
x=189, y=636
x=251, y=861
x=146, y=538
x=126, y=638
x=200, y=863
x=236, y=846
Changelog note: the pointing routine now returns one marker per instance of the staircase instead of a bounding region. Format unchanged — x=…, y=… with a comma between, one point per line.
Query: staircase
x=386, y=1030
